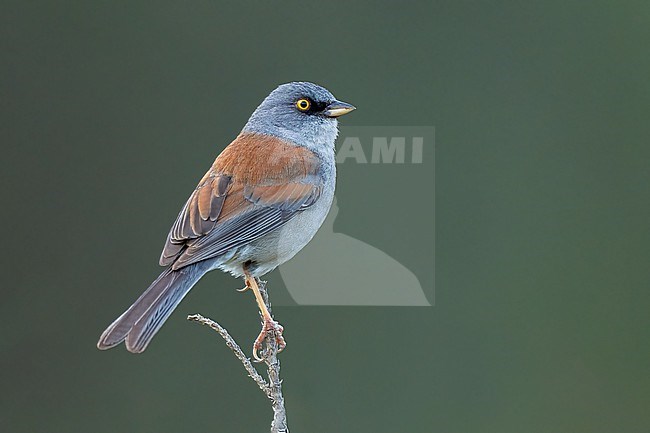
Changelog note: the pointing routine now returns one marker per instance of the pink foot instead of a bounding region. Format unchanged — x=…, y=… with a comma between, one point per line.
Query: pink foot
x=274, y=329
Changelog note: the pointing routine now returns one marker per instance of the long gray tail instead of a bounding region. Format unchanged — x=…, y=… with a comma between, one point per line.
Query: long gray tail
x=143, y=319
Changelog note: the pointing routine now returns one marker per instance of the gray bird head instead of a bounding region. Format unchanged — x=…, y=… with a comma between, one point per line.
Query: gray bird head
x=301, y=112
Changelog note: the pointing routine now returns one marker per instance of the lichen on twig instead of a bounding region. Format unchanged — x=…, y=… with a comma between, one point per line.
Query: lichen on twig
x=271, y=388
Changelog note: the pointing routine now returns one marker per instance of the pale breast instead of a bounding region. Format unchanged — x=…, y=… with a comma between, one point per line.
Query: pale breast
x=279, y=246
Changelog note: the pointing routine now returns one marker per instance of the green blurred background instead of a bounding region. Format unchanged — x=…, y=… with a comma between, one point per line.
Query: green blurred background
x=111, y=111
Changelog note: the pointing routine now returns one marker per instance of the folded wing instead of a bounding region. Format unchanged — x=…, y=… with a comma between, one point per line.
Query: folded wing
x=256, y=185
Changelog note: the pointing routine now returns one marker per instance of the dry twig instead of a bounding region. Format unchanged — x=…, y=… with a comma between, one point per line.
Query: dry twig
x=271, y=388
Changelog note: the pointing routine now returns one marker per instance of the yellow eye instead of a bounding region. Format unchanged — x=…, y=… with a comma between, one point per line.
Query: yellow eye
x=303, y=104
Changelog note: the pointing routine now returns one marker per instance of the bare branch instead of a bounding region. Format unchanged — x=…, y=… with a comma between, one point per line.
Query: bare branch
x=273, y=388
x=270, y=356
x=232, y=345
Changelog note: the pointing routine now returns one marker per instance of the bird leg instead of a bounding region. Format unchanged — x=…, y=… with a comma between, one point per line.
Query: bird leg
x=270, y=327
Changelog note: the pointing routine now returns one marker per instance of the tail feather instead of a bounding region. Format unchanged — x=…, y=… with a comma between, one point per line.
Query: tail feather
x=150, y=322
x=143, y=319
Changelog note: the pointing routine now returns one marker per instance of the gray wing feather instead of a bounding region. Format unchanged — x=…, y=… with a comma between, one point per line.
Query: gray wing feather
x=268, y=213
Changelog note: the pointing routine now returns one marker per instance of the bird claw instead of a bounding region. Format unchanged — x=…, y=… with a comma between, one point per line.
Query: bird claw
x=245, y=288
x=272, y=329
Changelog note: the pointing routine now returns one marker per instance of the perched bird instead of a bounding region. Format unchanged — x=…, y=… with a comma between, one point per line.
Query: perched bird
x=261, y=202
